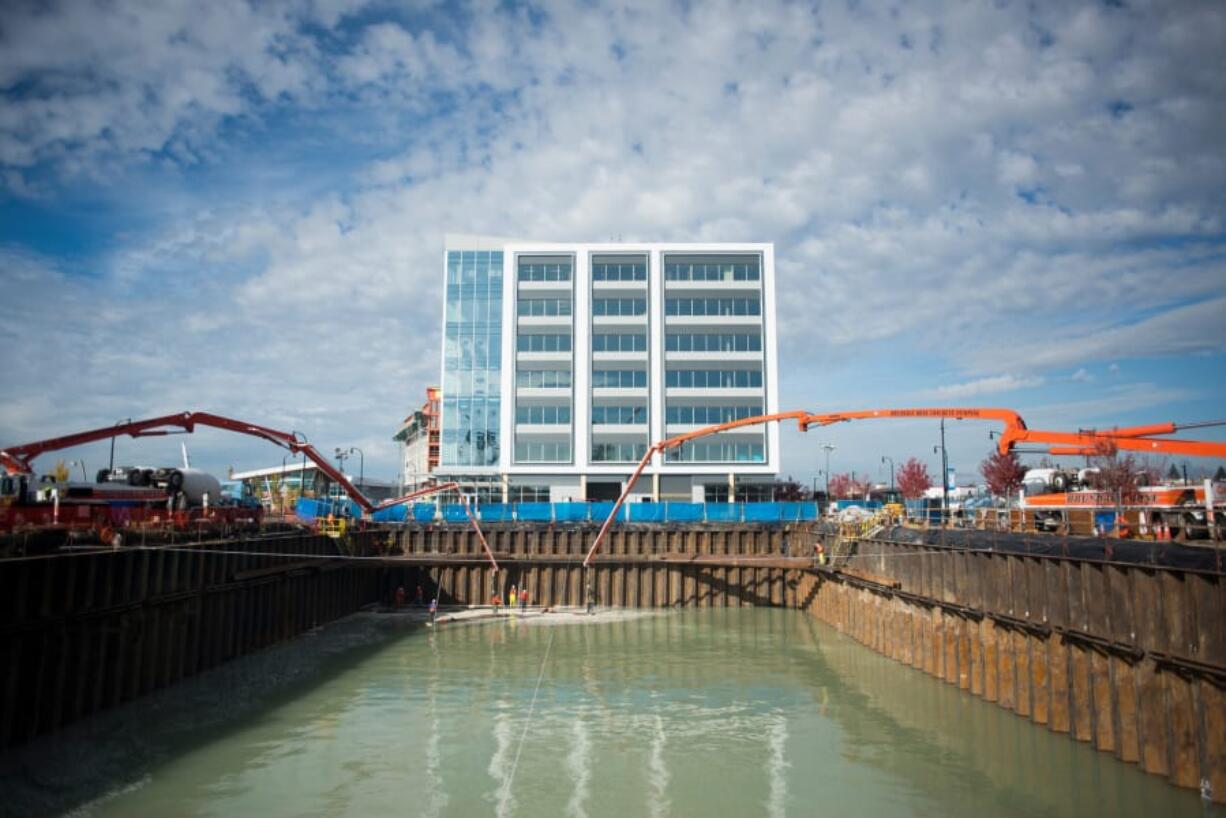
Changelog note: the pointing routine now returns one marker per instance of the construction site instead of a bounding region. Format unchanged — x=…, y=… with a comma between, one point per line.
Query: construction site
x=1112, y=636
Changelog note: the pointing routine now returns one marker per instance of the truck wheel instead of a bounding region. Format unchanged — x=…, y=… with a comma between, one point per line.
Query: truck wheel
x=103, y=475
x=1059, y=482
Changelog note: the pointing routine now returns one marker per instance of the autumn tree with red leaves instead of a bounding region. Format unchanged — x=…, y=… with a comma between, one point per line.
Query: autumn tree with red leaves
x=913, y=479
x=846, y=487
x=1003, y=473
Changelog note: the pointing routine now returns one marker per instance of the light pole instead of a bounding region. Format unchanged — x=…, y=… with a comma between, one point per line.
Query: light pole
x=111, y=467
x=361, y=464
x=281, y=488
x=944, y=473
x=891, y=461
x=341, y=457
x=828, y=448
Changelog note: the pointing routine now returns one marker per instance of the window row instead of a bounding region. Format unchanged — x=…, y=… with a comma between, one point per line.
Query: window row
x=548, y=342
x=631, y=342
x=544, y=306
x=542, y=414
x=544, y=272
x=712, y=272
x=619, y=379
x=712, y=306
x=543, y=378
x=619, y=306
x=618, y=452
x=619, y=272
x=713, y=378
x=709, y=414
x=707, y=452
x=549, y=451
x=529, y=494
x=623, y=415
x=728, y=342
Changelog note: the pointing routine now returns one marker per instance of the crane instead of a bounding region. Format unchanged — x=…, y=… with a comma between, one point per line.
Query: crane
x=1149, y=438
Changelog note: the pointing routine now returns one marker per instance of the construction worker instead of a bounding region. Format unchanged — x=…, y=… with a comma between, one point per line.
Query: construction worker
x=511, y=598
x=496, y=601
x=400, y=597
x=523, y=599
x=433, y=609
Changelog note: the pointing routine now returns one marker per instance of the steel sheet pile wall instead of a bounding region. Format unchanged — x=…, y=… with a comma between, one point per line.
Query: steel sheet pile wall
x=83, y=632
x=631, y=570
x=1131, y=658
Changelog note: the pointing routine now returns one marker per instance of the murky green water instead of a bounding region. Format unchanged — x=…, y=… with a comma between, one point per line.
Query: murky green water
x=702, y=713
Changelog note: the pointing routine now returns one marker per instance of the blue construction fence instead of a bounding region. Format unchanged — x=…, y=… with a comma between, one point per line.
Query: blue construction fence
x=665, y=512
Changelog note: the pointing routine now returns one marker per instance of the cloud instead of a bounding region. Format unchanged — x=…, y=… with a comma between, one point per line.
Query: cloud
x=983, y=386
x=889, y=179
x=1082, y=375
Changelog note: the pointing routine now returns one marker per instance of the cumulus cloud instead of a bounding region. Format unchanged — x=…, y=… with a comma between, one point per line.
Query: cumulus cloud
x=983, y=386
x=1005, y=187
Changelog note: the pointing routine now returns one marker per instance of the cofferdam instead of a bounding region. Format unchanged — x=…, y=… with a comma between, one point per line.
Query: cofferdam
x=725, y=671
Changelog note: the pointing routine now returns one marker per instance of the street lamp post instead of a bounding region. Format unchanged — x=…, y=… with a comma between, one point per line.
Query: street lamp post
x=828, y=448
x=944, y=473
x=891, y=461
x=111, y=467
x=361, y=464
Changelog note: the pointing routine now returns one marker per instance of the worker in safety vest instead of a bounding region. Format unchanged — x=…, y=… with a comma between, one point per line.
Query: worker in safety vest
x=819, y=552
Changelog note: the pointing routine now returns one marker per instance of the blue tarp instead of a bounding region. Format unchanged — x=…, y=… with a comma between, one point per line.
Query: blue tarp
x=724, y=512
x=597, y=512
x=645, y=512
x=455, y=513
x=683, y=512
x=571, y=512
x=600, y=510
x=534, y=512
x=497, y=512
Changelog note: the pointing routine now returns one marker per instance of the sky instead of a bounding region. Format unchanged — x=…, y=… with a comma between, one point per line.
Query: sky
x=240, y=207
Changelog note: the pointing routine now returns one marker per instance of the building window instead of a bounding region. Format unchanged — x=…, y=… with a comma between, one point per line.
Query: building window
x=712, y=306
x=740, y=271
x=624, y=342
x=716, y=452
x=619, y=415
x=542, y=415
x=709, y=415
x=715, y=493
x=619, y=379
x=472, y=361
x=618, y=452
x=547, y=451
x=543, y=378
x=529, y=494
x=708, y=342
x=545, y=272
x=619, y=306
x=713, y=378
x=543, y=342
x=543, y=306
x=619, y=272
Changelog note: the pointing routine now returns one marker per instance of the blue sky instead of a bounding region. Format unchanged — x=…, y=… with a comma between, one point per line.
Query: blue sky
x=240, y=207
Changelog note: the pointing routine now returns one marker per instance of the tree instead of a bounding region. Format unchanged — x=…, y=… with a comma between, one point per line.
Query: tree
x=789, y=491
x=1173, y=474
x=1116, y=474
x=913, y=479
x=1220, y=476
x=1003, y=473
x=846, y=487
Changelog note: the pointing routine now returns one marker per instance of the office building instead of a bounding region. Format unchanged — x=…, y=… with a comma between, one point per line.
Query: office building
x=562, y=362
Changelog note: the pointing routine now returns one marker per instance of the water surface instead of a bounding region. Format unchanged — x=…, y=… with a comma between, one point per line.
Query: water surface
x=691, y=713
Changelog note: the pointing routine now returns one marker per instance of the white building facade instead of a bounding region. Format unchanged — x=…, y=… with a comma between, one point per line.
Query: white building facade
x=562, y=363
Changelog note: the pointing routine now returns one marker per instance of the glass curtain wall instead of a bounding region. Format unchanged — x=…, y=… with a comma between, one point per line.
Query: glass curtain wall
x=619, y=284
x=472, y=365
